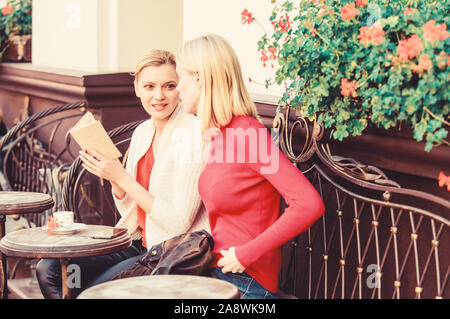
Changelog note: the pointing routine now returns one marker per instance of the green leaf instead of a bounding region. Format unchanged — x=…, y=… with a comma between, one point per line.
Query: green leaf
x=420, y=130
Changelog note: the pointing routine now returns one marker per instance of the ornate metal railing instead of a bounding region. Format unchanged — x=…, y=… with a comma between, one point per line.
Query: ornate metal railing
x=375, y=240
x=33, y=163
x=87, y=196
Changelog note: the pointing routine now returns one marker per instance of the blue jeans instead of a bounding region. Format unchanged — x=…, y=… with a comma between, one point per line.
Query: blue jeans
x=249, y=287
x=113, y=271
x=48, y=271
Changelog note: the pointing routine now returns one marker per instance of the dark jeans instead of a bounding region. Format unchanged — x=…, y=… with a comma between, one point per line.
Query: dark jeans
x=249, y=287
x=48, y=271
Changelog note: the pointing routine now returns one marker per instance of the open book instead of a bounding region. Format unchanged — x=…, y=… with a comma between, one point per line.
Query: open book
x=88, y=132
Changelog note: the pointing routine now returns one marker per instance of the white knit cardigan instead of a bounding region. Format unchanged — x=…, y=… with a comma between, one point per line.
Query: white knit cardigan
x=177, y=207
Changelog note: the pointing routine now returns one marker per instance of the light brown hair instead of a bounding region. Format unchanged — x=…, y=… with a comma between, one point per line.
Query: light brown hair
x=224, y=94
x=154, y=58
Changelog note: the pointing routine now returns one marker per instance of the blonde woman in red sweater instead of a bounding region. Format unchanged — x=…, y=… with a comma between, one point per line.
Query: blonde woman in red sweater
x=246, y=174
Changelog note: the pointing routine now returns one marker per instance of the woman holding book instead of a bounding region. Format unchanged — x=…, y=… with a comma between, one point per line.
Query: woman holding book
x=246, y=168
x=156, y=194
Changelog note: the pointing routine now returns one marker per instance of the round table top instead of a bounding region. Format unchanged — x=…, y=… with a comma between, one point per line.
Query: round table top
x=163, y=287
x=36, y=243
x=24, y=202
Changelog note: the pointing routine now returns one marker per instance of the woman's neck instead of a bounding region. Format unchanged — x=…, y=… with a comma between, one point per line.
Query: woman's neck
x=159, y=126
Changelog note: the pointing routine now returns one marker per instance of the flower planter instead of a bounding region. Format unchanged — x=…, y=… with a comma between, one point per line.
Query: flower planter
x=19, y=49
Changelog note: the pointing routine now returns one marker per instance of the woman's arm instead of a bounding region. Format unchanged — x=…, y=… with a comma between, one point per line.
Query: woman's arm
x=175, y=213
x=122, y=182
x=305, y=206
x=118, y=192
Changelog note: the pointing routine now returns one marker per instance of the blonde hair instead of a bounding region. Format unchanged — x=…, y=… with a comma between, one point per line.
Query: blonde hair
x=154, y=58
x=223, y=93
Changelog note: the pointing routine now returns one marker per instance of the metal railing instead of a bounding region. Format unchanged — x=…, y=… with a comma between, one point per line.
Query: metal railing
x=375, y=240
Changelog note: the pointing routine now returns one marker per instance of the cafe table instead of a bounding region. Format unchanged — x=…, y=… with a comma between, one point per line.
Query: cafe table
x=18, y=203
x=163, y=287
x=37, y=243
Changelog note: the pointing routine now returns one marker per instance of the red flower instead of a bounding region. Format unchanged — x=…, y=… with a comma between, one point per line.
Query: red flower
x=7, y=10
x=424, y=64
x=264, y=57
x=362, y=3
x=250, y=79
x=273, y=51
x=410, y=47
x=247, y=17
x=348, y=87
x=433, y=33
x=409, y=11
x=444, y=180
x=284, y=23
x=51, y=224
x=348, y=11
x=373, y=34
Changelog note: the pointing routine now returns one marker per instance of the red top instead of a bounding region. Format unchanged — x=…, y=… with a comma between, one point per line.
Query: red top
x=243, y=199
x=144, y=171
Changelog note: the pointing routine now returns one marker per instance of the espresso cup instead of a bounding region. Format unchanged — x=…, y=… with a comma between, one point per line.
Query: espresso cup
x=64, y=219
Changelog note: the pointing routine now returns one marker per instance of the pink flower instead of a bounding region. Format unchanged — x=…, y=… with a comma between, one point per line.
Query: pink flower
x=444, y=180
x=273, y=51
x=348, y=87
x=433, y=33
x=409, y=48
x=284, y=23
x=443, y=59
x=51, y=224
x=264, y=57
x=348, y=11
x=7, y=10
x=247, y=17
x=424, y=64
x=409, y=11
x=362, y=3
x=373, y=34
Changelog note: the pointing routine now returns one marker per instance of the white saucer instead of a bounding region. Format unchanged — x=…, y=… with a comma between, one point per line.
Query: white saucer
x=66, y=230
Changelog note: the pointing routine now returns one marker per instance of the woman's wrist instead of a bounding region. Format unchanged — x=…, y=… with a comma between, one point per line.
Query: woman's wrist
x=118, y=191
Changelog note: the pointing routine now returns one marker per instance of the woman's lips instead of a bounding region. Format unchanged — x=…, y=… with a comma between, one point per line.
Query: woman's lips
x=159, y=107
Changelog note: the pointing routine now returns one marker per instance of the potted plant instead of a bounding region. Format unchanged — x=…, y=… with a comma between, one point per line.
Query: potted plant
x=357, y=63
x=15, y=31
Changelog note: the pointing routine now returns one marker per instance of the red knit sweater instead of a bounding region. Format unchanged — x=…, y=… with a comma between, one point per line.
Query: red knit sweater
x=242, y=197
x=143, y=173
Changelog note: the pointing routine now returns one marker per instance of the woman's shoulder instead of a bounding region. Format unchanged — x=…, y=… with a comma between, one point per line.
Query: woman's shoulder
x=144, y=126
x=245, y=121
x=188, y=120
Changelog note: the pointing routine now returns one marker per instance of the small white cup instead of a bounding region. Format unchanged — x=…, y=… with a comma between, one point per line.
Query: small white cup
x=64, y=219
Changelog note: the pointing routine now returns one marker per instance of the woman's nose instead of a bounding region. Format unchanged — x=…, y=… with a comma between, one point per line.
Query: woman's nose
x=159, y=94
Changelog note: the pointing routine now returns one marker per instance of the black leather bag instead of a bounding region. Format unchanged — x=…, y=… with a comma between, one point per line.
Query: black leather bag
x=186, y=254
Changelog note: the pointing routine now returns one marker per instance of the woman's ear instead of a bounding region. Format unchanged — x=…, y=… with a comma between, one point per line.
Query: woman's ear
x=136, y=88
x=198, y=81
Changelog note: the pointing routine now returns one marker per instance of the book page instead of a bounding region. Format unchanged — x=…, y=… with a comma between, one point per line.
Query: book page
x=85, y=119
x=93, y=135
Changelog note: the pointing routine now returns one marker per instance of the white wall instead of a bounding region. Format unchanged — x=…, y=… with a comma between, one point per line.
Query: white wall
x=111, y=35
x=65, y=34
x=103, y=35
x=224, y=18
